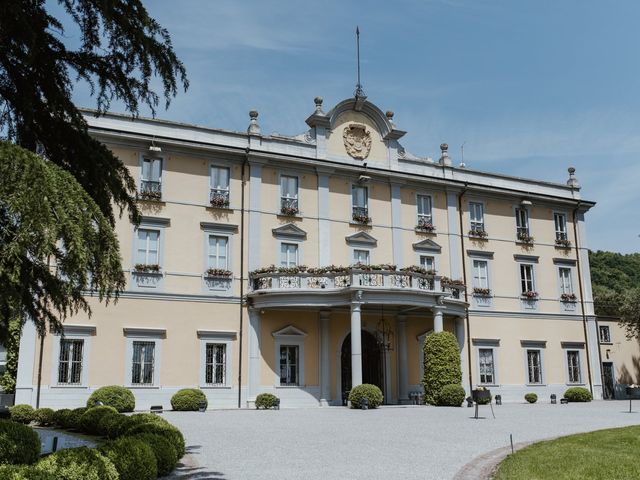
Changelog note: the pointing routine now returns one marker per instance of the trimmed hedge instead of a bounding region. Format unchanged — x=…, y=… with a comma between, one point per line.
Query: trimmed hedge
x=44, y=417
x=451, y=396
x=19, y=444
x=61, y=417
x=132, y=457
x=188, y=400
x=366, y=390
x=578, y=394
x=90, y=420
x=79, y=464
x=114, y=396
x=22, y=413
x=168, y=431
x=531, y=397
x=165, y=453
x=24, y=472
x=266, y=400
x=73, y=418
x=441, y=365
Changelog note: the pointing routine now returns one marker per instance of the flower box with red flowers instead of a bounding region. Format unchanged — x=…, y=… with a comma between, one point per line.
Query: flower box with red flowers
x=481, y=292
x=478, y=234
x=568, y=297
x=563, y=243
x=530, y=295
x=524, y=237
x=218, y=273
x=425, y=226
x=146, y=268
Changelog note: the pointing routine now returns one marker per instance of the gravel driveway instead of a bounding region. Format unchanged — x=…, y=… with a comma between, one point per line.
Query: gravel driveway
x=387, y=443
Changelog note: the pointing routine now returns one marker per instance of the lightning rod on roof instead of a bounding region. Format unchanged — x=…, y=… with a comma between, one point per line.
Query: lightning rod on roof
x=359, y=91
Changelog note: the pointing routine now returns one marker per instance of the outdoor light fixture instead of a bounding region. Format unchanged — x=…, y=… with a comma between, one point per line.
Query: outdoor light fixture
x=154, y=148
x=553, y=398
x=364, y=179
x=364, y=404
x=156, y=409
x=202, y=405
x=498, y=399
x=526, y=203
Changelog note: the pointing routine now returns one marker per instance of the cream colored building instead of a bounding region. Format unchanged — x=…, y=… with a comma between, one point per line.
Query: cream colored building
x=203, y=308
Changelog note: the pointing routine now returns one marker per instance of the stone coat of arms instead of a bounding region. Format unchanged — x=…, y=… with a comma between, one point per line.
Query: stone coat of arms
x=357, y=140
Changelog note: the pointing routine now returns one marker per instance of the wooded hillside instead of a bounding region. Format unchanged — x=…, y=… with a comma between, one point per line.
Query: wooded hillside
x=613, y=275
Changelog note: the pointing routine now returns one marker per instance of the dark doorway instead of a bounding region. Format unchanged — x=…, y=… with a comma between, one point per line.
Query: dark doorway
x=371, y=362
x=609, y=381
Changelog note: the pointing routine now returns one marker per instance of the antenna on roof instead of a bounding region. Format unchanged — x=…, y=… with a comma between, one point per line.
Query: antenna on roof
x=462, y=164
x=359, y=92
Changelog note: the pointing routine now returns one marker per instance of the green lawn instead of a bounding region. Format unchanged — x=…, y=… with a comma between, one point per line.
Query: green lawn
x=606, y=454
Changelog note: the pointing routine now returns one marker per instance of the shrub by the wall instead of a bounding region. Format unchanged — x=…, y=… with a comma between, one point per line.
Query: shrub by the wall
x=531, y=397
x=60, y=417
x=166, y=456
x=44, y=417
x=451, y=396
x=22, y=413
x=441, y=364
x=115, y=396
x=132, y=457
x=188, y=399
x=79, y=464
x=91, y=419
x=24, y=472
x=578, y=394
x=368, y=391
x=168, y=431
x=266, y=400
x=18, y=443
x=73, y=418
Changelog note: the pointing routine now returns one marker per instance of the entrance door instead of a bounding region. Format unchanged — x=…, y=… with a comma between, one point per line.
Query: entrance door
x=371, y=362
x=609, y=380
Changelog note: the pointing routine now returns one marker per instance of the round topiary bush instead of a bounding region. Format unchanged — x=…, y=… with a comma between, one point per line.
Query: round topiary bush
x=188, y=400
x=78, y=464
x=112, y=426
x=166, y=455
x=106, y=421
x=451, y=396
x=73, y=418
x=22, y=413
x=24, y=472
x=114, y=396
x=90, y=420
x=168, y=431
x=368, y=391
x=578, y=394
x=44, y=416
x=531, y=397
x=132, y=457
x=266, y=400
x=60, y=417
x=441, y=365
x=19, y=444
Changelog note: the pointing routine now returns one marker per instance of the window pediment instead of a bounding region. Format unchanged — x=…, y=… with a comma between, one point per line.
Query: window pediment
x=289, y=331
x=361, y=239
x=427, y=245
x=289, y=232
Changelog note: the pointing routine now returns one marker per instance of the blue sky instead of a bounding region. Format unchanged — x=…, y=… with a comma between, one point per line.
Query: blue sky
x=529, y=87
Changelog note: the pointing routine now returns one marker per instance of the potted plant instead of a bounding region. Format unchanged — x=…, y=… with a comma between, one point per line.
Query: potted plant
x=425, y=225
x=481, y=395
x=152, y=195
x=219, y=200
x=361, y=218
x=568, y=297
x=418, y=269
x=481, y=292
x=217, y=273
x=524, y=237
x=478, y=233
x=289, y=210
x=530, y=295
x=563, y=243
x=146, y=268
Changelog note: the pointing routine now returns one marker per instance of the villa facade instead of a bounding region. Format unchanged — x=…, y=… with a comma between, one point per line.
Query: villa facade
x=304, y=265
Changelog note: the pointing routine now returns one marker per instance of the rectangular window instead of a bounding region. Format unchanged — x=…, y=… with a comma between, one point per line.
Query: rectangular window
x=534, y=364
x=566, y=286
x=476, y=213
x=360, y=203
x=216, y=364
x=218, y=252
x=427, y=262
x=605, y=334
x=522, y=222
x=480, y=274
x=3, y=359
x=560, y=220
x=527, y=283
x=148, y=247
x=142, y=363
x=219, y=186
x=487, y=374
x=424, y=210
x=361, y=256
x=289, y=195
x=70, y=362
x=151, y=176
x=288, y=254
x=289, y=365
x=573, y=363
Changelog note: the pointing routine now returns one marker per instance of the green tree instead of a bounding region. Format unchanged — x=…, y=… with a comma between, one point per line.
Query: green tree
x=441, y=364
x=630, y=313
x=119, y=51
x=55, y=243
x=12, y=344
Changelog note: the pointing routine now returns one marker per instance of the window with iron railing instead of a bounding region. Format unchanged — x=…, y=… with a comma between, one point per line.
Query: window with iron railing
x=486, y=365
x=560, y=220
x=216, y=364
x=522, y=223
x=142, y=364
x=70, y=362
x=425, y=216
x=151, y=181
x=289, y=195
x=534, y=366
x=573, y=364
x=360, y=204
x=289, y=365
x=219, y=187
x=476, y=214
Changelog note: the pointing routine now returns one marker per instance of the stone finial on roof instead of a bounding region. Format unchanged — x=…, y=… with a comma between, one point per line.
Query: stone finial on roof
x=573, y=181
x=444, y=158
x=389, y=114
x=318, y=102
x=254, y=128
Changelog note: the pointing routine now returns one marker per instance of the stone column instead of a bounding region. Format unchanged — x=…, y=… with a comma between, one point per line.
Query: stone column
x=460, y=336
x=254, y=355
x=356, y=345
x=325, y=363
x=438, y=322
x=403, y=374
